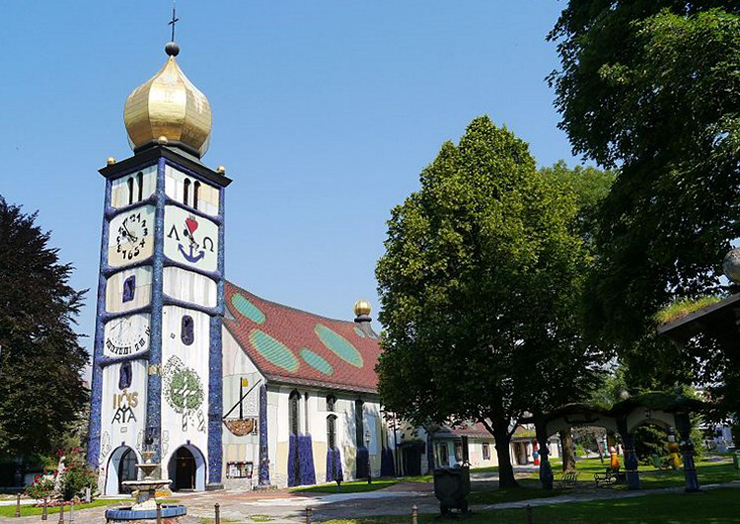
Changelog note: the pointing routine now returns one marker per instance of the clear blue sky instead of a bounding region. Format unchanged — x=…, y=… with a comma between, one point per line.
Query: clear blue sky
x=324, y=111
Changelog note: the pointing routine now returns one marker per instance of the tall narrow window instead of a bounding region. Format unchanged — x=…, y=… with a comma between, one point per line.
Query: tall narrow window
x=130, y=183
x=124, y=376
x=359, y=423
x=331, y=400
x=186, y=192
x=293, y=413
x=129, y=289
x=196, y=192
x=140, y=181
x=331, y=431
x=186, y=330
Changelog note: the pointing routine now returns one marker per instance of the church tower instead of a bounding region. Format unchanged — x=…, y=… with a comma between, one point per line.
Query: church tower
x=157, y=377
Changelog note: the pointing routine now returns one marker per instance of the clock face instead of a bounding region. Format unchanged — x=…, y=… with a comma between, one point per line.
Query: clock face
x=127, y=335
x=131, y=237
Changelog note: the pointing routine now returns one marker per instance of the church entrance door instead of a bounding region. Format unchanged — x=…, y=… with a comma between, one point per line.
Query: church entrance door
x=126, y=470
x=184, y=470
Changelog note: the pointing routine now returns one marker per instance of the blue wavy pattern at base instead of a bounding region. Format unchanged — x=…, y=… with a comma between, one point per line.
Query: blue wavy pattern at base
x=387, y=464
x=126, y=514
x=264, y=450
x=300, y=452
x=293, y=474
x=305, y=460
x=363, y=463
x=334, y=466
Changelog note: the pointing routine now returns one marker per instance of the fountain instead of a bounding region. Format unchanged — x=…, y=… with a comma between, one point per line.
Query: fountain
x=145, y=491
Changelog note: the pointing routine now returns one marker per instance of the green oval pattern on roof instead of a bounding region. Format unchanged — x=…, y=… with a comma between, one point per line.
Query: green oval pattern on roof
x=339, y=345
x=273, y=350
x=247, y=309
x=317, y=362
x=360, y=333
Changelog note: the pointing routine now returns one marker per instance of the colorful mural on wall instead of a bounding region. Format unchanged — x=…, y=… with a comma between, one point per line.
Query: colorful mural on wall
x=183, y=389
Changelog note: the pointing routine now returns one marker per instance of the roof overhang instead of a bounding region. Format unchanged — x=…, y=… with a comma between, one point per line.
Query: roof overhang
x=719, y=320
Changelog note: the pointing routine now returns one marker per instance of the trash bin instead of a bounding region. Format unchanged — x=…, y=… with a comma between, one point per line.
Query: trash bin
x=452, y=487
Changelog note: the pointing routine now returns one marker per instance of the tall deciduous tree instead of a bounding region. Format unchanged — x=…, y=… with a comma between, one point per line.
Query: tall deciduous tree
x=479, y=286
x=41, y=390
x=652, y=86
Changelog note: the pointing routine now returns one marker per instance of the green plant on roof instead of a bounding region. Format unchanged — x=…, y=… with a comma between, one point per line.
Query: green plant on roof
x=682, y=308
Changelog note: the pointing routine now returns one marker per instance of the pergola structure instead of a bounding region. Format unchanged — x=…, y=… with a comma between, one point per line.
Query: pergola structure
x=662, y=409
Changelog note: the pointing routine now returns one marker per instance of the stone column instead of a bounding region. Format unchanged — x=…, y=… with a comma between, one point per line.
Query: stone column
x=686, y=445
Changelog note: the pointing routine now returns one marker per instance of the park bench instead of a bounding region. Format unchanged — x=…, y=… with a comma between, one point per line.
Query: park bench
x=609, y=477
x=569, y=480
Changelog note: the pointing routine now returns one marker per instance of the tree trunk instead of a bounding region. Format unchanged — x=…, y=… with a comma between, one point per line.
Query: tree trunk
x=566, y=443
x=505, y=469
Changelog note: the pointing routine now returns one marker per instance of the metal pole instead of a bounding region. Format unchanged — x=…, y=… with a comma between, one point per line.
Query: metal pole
x=45, y=514
x=18, y=506
x=61, y=513
x=72, y=512
x=159, y=513
x=218, y=513
x=528, y=510
x=309, y=514
x=415, y=514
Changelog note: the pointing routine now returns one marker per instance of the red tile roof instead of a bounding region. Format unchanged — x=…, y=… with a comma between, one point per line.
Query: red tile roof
x=477, y=430
x=292, y=346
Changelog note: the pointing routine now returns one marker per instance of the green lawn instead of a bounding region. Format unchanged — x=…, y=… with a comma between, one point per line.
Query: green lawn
x=491, y=469
x=497, y=496
x=355, y=486
x=712, y=507
x=28, y=510
x=650, y=478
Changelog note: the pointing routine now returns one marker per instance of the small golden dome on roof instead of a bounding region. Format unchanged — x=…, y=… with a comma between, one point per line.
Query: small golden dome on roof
x=362, y=308
x=168, y=108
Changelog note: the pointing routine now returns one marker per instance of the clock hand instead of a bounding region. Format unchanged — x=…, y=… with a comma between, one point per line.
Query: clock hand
x=132, y=238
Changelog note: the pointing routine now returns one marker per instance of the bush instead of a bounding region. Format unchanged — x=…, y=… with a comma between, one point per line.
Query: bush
x=42, y=487
x=77, y=476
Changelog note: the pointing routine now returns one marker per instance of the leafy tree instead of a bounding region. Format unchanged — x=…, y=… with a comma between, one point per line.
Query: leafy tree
x=480, y=286
x=651, y=86
x=41, y=390
x=590, y=187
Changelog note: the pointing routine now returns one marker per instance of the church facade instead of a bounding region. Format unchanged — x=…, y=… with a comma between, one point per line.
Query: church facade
x=226, y=388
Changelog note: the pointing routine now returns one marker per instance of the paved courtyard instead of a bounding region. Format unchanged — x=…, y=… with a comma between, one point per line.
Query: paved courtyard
x=285, y=507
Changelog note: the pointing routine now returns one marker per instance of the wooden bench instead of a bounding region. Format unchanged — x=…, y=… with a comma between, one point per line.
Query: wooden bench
x=569, y=480
x=609, y=477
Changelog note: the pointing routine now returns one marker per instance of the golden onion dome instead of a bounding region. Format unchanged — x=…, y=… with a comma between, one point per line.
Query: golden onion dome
x=362, y=308
x=168, y=108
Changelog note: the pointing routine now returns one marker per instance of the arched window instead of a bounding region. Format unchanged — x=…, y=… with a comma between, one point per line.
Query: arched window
x=331, y=431
x=293, y=412
x=140, y=182
x=359, y=423
x=331, y=400
x=125, y=376
x=130, y=183
x=186, y=330
x=196, y=191
x=186, y=192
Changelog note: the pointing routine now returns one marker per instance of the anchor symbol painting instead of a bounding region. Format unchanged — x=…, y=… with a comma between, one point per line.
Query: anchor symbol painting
x=191, y=224
x=191, y=238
